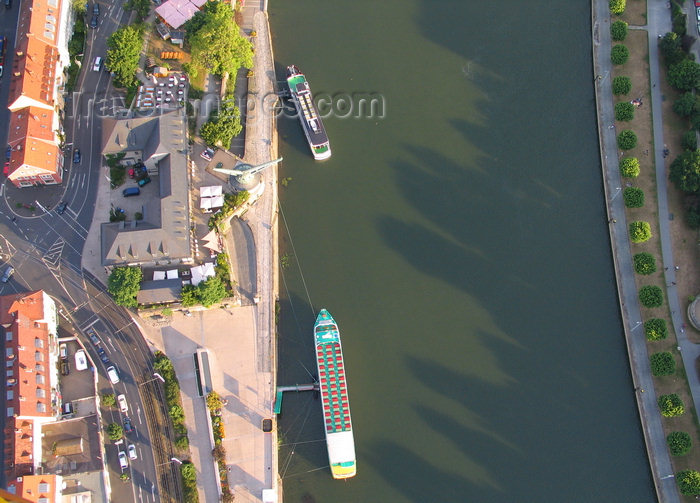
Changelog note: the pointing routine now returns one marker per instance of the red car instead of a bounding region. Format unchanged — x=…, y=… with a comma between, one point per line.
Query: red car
x=6, y=169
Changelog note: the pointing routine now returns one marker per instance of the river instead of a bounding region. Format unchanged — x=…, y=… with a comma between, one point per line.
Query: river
x=460, y=242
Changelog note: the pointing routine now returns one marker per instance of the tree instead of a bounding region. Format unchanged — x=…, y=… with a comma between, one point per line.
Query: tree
x=644, y=263
x=182, y=442
x=123, y=55
x=639, y=231
x=211, y=291
x=662, y=364
x=634, y=197
x=142, y=7
x=619, y=54
x=629, y=167
x=618, y=30
x=177, y=414
x=188, y=471
x=123, y=284
x=189, y=296
x=108, y=400
x=216, y=41
x=687, y=104
x=671, y=405
x=690, y=140
x=670, y=47
x=624, y=111
x=220, y=130
x=685, y=171
x=651, y=296
x=679, y=443
x=688, y=482
x=626, y=140
x=685, y=75
x=617, y=6
x=655, y=329
x=115, y=431
x=621, y=85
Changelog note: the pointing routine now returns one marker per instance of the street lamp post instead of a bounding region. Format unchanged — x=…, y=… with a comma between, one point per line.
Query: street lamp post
x=156, y=375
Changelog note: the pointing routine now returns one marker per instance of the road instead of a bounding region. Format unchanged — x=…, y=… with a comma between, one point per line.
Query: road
x=46, y=251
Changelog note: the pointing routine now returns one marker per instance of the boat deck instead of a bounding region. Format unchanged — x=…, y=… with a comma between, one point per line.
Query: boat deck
x=336, y=407
x=303, y=99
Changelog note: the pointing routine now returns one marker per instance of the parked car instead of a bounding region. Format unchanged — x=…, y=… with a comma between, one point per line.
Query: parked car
x=96, y=9
x=103, y=355
x=208, y=154
x=81, y=360
x=93, y=336
x=6, y=168
x=98, y=64
x=67, y=410
x=113, y=375
x=63, y=351
x=123, y=463
x=128, y=427
x=8, y=4
x=7, y=274
x=144, y=181
x=76, y=156
x=8, y=153
x=93, y=21
x=123, y=406
x=697, y=13
x=132, y=452
x=61, y=207
x=65, y=368
x=131, y=191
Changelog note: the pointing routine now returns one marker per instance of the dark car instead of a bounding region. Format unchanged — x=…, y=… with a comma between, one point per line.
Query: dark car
x=93, y=21
x=76, y=156
x=8, y=273
x=65, y=368
x=144, y=181
x=93, y=337
x=8, y=4
x=96, y=9
x=8, y=153
x=103, y=355
x=61, y=207
x=128, y=428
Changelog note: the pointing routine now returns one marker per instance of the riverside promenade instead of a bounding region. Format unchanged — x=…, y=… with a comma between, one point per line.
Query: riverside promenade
x=658, y=23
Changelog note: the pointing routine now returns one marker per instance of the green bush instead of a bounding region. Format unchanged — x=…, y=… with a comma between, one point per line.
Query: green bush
x=651, y=296
x=617, y=7
x=619, y=54
x=621, y=85
x=189, y=482
x=177, y=414
x=115, y=431
x=182, y=442
x=634, y=197
x=679, y=443
x=655, y=329
x=662, y=364
x=689, y=140
x=624, y=111
x=626, y=140
x=644, y=263
x=686, y=105
x=618, y=30
x=688, y=482
x=108, y=400
x=629, y=167
x=639, y=231
x=671, y=405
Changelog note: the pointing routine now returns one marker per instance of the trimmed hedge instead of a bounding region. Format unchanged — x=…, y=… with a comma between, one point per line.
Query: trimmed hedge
x=624, y=111
x=679, y=443
x=655, y=329
x=671, y=405
x=644, y=263
x=626, y=140
x=651, y=296
x=618, y=30
x=619, y=54
x=629, y=167
x=617, y=6
x=688, y=482
x=640, y=231
x=662, y=364
x=621, y=85
x=634, y=197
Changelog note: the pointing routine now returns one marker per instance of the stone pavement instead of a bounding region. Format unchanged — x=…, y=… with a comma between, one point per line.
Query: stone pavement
x=658, y=23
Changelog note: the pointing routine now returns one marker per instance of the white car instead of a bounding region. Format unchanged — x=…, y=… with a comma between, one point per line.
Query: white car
x=98, y=64
x=80, y=360
x=132, y=452
x=697, y=13
x=113, y=375
x=121, y=400
x=123, y=463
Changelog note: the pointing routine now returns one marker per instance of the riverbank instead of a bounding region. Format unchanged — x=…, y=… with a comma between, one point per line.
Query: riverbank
x=643, y=386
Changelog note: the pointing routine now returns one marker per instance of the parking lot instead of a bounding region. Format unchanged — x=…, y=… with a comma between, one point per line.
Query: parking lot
x=77, y=385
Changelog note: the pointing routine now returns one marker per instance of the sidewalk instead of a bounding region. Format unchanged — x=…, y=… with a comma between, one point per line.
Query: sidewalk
x=650, y=417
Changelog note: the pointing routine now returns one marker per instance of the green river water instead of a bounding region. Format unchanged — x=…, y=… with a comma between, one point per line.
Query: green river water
x=461, y=244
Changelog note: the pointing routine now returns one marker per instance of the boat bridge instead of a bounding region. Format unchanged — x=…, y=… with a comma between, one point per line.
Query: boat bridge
x=296, y=387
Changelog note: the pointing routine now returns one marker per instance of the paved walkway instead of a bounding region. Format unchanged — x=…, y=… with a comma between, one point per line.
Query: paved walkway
x=658, y=22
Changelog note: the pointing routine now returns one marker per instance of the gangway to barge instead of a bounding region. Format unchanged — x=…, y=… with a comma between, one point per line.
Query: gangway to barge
x=296, y=387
